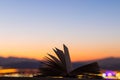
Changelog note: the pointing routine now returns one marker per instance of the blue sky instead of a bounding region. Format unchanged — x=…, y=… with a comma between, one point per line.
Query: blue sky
x=77, y=23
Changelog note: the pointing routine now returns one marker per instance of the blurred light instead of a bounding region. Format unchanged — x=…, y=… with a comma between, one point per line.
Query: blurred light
x=109, y=74
x=7, y=71
x=118, y=75
x=103, y=75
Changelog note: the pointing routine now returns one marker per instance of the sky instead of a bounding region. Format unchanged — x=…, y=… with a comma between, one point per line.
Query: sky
x=32, y=28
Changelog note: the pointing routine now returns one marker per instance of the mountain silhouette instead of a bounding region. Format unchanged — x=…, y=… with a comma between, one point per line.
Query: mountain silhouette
x=110, y=63
x=14, y=62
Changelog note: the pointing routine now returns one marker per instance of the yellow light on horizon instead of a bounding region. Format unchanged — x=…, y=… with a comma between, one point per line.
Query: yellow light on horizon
x=3, y=71
x=118, y=75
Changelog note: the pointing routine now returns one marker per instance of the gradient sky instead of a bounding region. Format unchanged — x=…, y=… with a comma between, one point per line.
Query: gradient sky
x=31, y=28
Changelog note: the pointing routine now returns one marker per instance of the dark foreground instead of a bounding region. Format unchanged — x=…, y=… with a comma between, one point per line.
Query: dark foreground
x=41, y=78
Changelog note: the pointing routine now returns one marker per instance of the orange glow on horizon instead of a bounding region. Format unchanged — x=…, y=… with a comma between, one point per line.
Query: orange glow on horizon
x=77, y=53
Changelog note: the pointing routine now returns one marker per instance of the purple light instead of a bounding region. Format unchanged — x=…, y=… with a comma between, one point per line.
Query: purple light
x=110, y=73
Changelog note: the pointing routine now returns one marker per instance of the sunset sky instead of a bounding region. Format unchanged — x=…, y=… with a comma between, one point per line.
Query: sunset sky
x=31, y=28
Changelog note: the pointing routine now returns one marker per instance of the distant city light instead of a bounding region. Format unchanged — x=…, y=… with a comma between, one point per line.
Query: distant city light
x=2, y=71
x=103, y=75
x=109, y=74
x=118, y=75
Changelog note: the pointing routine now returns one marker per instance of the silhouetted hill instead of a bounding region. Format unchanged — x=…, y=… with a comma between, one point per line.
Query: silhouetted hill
x=110, y=63
x=14, y=62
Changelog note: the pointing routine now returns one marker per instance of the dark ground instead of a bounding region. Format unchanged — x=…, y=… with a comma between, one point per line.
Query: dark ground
x=41, y=78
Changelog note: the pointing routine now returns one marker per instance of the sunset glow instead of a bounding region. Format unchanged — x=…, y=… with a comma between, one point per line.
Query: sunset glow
x=31, y=29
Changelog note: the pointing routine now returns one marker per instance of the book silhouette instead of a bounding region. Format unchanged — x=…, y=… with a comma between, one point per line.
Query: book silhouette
x=61, y=65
